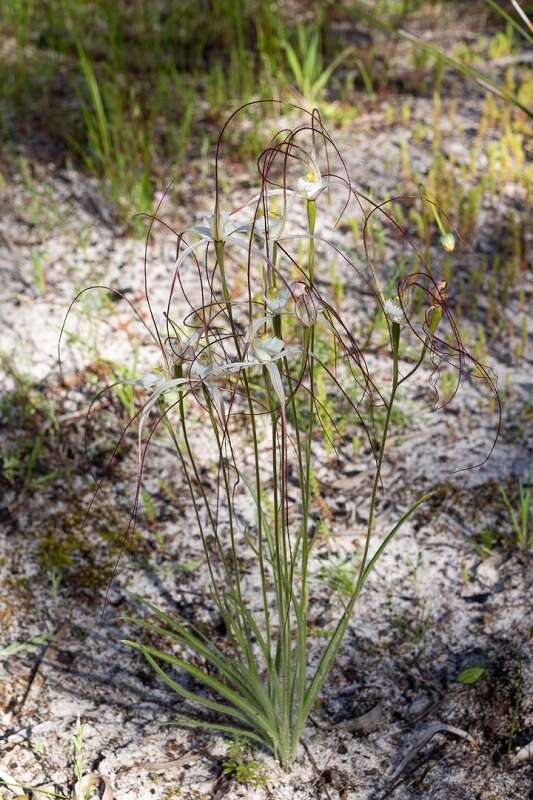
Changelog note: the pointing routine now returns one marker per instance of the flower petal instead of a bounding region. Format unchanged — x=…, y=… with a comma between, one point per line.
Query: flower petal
x=277, y=383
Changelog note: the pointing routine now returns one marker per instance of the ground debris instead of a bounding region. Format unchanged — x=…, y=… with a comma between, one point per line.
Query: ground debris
x=424, y=736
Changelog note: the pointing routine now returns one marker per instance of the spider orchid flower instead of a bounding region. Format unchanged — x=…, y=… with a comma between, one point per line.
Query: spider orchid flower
x=266, y=351
x=151, y=380
x=158, y=383
x=220, y=228
x=274, y=227
x=277, y=299
x=161, y=379
x=262, y=351
x=274, y=224
x=267, y=348
x=310, y=185
x=205, y=371
x=179, y=350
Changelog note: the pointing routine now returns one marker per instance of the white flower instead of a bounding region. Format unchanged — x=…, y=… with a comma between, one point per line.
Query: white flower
x=276, y=300
x=204, y=370
x=273, y=224
x=266, y=351
x=311, y=184
x=220, y=227
x=151, y=380
x=178, y=349
x=265, y=348
x=277, y=214
x=393, y=311
x=262, y=351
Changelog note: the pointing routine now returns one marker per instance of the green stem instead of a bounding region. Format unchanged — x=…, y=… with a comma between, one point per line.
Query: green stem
x=302, y=612
x=219, y=250
x=395, y=344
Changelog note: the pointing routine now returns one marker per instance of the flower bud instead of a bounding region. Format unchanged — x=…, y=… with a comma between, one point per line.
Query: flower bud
x=306, y=309
x=435, y=318
x=447, y=241
x=218, y=224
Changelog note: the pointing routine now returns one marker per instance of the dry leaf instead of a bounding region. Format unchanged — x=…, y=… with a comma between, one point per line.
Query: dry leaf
x=524, y=754
x=423, y=738
x=88, y=783
x=366, y=723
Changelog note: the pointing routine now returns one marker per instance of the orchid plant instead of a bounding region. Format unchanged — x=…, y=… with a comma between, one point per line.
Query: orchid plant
x=241, y=346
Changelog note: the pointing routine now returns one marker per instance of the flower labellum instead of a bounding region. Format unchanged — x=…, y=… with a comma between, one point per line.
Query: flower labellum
x=275, y=221
x=267, y=347
x=393, y=311
x=310, y=186
x=151, y=380
x=276, y=300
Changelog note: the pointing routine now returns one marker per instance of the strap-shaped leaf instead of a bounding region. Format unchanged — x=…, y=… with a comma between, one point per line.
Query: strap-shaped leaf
x=190, y=634
x=186, y=630
x=240, y=679
x=192, y=697
x=254, y=713
x=230, y=730
x=371, y=564
x=334, y=643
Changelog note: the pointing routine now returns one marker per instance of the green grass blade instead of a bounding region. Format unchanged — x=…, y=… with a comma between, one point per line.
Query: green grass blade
x=470, y=72
x=324, y=78
x=96, y=100
x=294, y=64
x=511, y=20
x=311, y=59
x=479, y=77
x=512, y=513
